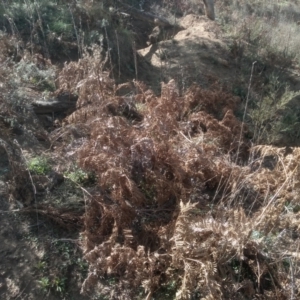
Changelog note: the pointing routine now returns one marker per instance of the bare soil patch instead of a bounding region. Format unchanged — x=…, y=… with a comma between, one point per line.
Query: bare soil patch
x=195, y=54
x=38, y=260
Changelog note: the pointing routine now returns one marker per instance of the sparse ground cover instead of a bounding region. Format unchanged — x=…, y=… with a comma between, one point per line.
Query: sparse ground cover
x=187, y=190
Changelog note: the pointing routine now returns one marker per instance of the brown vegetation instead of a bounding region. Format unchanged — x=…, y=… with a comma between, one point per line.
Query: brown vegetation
x=177, y=202
x=152, y=220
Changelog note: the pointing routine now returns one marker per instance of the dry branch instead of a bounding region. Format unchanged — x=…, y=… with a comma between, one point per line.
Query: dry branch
x=61, y=104
x=46, y=107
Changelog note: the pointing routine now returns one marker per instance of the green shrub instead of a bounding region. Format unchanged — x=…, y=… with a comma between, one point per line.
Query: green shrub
x=45, y=284
x=80, y=177
x=38, y=166
x=59, y=284
x=273, y=117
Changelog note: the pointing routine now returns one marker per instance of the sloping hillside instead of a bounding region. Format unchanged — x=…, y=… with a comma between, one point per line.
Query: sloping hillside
x=165, y=168
x=194, y=54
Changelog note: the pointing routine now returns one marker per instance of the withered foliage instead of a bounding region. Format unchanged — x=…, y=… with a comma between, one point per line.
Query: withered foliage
x=181, y=199
x=174, y=201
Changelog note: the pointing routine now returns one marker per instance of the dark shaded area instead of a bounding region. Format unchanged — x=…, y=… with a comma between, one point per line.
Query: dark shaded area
x=4, y=163
x=125, y=109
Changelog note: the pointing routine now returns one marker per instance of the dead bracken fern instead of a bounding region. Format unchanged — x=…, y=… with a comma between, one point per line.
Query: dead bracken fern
x=177, y=199
x=203, y=245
